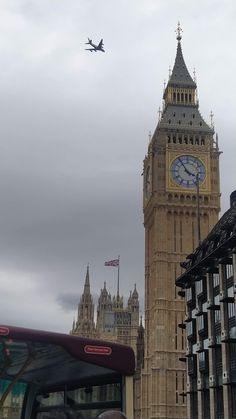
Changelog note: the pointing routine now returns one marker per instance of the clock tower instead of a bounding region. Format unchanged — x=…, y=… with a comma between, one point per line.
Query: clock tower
x=181, y=203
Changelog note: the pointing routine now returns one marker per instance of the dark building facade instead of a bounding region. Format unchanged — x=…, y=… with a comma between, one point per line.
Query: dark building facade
x=209, y=286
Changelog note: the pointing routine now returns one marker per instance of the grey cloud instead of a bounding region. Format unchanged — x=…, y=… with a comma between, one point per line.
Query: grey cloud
x=74, y=132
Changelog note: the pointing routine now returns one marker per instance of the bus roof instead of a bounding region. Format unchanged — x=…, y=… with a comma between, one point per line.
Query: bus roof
x=55, y=358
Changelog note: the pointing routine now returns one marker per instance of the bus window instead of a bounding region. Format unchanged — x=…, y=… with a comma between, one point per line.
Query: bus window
x=48, y=375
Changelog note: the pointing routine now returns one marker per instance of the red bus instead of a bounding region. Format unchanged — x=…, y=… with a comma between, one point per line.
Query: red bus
x=46, y=375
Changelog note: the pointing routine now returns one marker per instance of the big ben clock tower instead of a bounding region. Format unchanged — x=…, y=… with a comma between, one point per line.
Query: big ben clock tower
x=181, y=203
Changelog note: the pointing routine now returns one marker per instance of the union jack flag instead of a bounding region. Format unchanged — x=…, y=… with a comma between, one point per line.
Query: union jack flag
x=114, y=262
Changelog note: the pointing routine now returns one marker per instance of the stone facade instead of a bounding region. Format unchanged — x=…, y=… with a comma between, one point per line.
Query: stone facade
x=181, y=203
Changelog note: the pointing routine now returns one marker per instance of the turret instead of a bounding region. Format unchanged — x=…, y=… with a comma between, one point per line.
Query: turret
x=85, y=326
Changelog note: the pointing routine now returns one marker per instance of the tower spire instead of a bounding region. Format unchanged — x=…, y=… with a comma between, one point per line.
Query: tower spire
x=87, y=282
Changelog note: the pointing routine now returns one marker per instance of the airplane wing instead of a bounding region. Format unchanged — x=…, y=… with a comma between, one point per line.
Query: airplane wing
x=100, y=45
x=90, y=49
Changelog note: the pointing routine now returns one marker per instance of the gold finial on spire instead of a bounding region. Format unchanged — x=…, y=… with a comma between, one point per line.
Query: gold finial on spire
x=169, y=72
x=194, y=75
x=159, y=113
x=178, y=32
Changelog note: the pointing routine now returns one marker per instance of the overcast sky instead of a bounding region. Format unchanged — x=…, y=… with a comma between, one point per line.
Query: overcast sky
x=74, y=131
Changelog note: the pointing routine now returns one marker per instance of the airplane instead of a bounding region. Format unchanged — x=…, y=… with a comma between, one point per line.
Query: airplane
x=95, y=48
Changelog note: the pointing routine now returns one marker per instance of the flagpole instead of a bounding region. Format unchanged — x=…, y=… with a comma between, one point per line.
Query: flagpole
x=118, y=279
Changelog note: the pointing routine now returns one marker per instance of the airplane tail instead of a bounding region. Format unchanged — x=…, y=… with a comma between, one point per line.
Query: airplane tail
x=89, y=41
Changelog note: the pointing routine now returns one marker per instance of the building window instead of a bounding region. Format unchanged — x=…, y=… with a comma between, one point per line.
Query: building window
x=200, y=322
x=189, y=328
x=229, y=271
x=188, y=294
x=216, y=280
x=199, y=287
x=231, y=310
x=217, y=316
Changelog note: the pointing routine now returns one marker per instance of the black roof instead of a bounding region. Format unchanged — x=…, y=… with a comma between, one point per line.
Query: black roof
x=183, y=117
x=180, y=75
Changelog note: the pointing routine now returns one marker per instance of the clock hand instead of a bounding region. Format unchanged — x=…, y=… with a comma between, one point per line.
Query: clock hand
x=185, y=168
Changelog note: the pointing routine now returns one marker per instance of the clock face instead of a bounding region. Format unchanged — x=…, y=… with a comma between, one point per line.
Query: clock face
x=186, y=169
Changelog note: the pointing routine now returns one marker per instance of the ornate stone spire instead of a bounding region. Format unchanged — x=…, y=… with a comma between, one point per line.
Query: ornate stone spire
x=135, y=293
x=180, y=109
x=85, y=325
x=87, y=282
x=180, y=75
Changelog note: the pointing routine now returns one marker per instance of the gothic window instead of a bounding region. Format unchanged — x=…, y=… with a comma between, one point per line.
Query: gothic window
x=202, y=141
x=175, y=228
x=182, y=336
x=181, y=235
x=176, y=332
x=182, y=97
x=176, y=389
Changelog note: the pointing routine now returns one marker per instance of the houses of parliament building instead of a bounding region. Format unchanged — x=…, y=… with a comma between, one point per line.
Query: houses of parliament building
x=115, y=321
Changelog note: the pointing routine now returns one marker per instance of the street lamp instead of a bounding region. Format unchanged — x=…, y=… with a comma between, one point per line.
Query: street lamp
x=198, y=210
